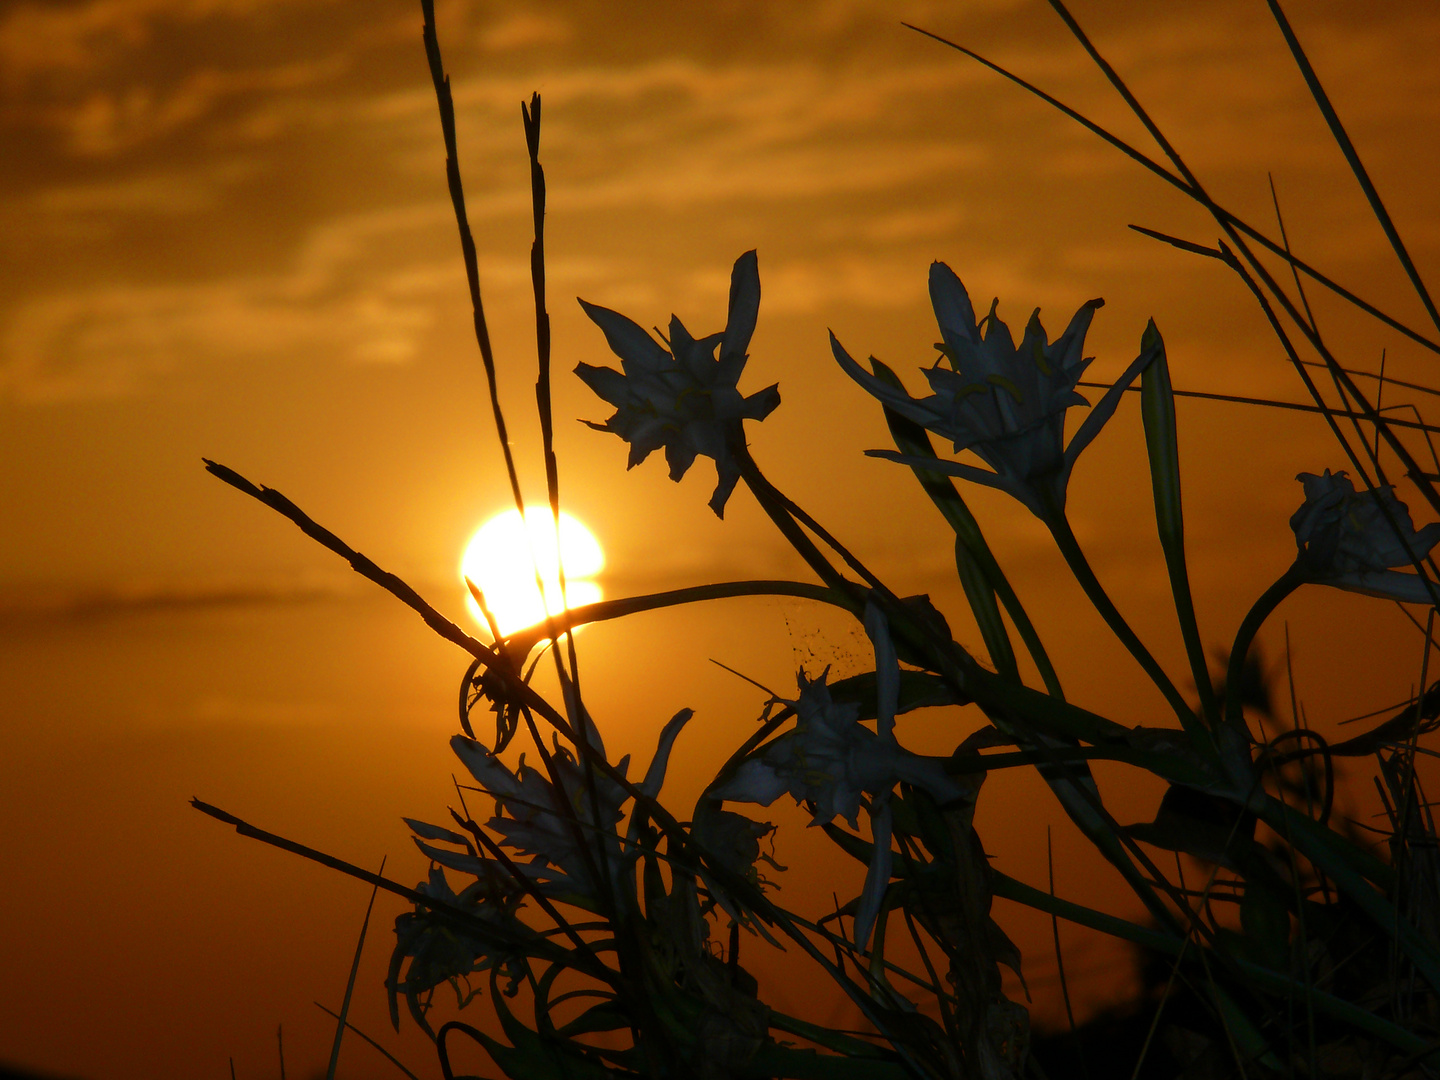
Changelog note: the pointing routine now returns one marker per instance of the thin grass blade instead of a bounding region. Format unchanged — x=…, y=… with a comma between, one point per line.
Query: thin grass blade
x=350, y=983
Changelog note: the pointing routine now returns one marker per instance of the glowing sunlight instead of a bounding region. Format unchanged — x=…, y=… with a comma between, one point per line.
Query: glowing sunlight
x=503, y=554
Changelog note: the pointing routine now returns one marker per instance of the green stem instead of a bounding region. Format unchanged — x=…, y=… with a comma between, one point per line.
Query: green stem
x=1269, y=600
x=773, y=503
x=967, y=532
x=1080, y=567
x=523, y=641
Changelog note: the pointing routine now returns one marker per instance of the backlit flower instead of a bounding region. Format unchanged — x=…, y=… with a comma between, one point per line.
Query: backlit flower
x=556, y=825
x=829, y=759
x=1353, y=539
x=683, y=397
x=440, y=948
x=1004, y=404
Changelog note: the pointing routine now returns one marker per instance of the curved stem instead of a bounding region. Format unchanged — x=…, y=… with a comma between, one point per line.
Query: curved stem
x=1080, y=567
x=1269, y=600
x=523, y=641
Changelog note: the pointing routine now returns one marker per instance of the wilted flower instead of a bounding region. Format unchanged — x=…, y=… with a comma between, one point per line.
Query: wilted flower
x=683, y=398
x=1007, y=405
x=1353, y=540
x=733, y=839
x=442, y=949
x=830, y=759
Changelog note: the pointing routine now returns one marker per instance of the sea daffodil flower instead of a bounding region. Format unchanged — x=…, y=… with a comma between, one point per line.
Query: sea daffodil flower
x=1006, y=405
x=559, y=828
x=683, y=397
x=441, y=950
x=1354, y=539
x=829, y=759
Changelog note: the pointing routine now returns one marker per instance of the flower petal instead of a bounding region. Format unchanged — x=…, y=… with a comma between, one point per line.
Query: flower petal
x=888, y=396
x=679, y=456
x=877, y=876
x=887, y=669
x=626, y=338
x=487, y=769
x=607, y=383
x=953, y=310
x=435, y=832
x=1065, y=352
x=1019, y=490
x=755, y=781
x=1387, y=585
x=762, y=403
x=727, y=475
x=744, y=306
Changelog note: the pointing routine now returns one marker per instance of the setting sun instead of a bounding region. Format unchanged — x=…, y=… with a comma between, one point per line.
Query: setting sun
x=502, y=558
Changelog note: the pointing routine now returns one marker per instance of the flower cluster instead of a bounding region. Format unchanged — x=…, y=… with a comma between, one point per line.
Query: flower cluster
x=682, y=397
x=565, y=823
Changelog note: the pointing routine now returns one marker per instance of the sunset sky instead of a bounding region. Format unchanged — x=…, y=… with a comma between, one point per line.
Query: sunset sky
x=224, y=231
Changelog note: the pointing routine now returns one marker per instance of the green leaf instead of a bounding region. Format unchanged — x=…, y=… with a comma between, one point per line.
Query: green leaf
x=533, y=1057
x=841, y=1043
x=1199, y=823
x=910, y=438
x=981, y=596
x=1157, y=408
x=918, y=690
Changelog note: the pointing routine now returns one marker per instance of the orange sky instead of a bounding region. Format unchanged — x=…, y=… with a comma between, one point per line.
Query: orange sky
x=224, y=232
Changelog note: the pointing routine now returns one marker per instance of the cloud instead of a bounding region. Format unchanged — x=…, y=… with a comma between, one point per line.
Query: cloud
x=863, y=160
x=525, y=30
x=109, y=121
x=340, y=299
x=42, y=37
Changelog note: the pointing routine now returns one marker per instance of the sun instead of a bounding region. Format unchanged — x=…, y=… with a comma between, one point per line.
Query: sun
x=504, y=553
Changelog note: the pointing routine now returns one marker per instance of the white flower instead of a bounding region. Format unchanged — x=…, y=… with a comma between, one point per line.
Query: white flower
x=441, y=949
x=1346, y=539
x=683, y=398
x=557, y=826
x=829, y=759
x=1007, y=405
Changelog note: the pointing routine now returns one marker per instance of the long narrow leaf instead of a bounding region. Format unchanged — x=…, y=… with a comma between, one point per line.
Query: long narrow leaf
x=1157, y=408
x=350, y=983
x=914, y=441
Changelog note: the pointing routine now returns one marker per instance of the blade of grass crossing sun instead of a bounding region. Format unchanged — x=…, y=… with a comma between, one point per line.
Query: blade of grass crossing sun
x=1157, y=407
x=350, y=983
